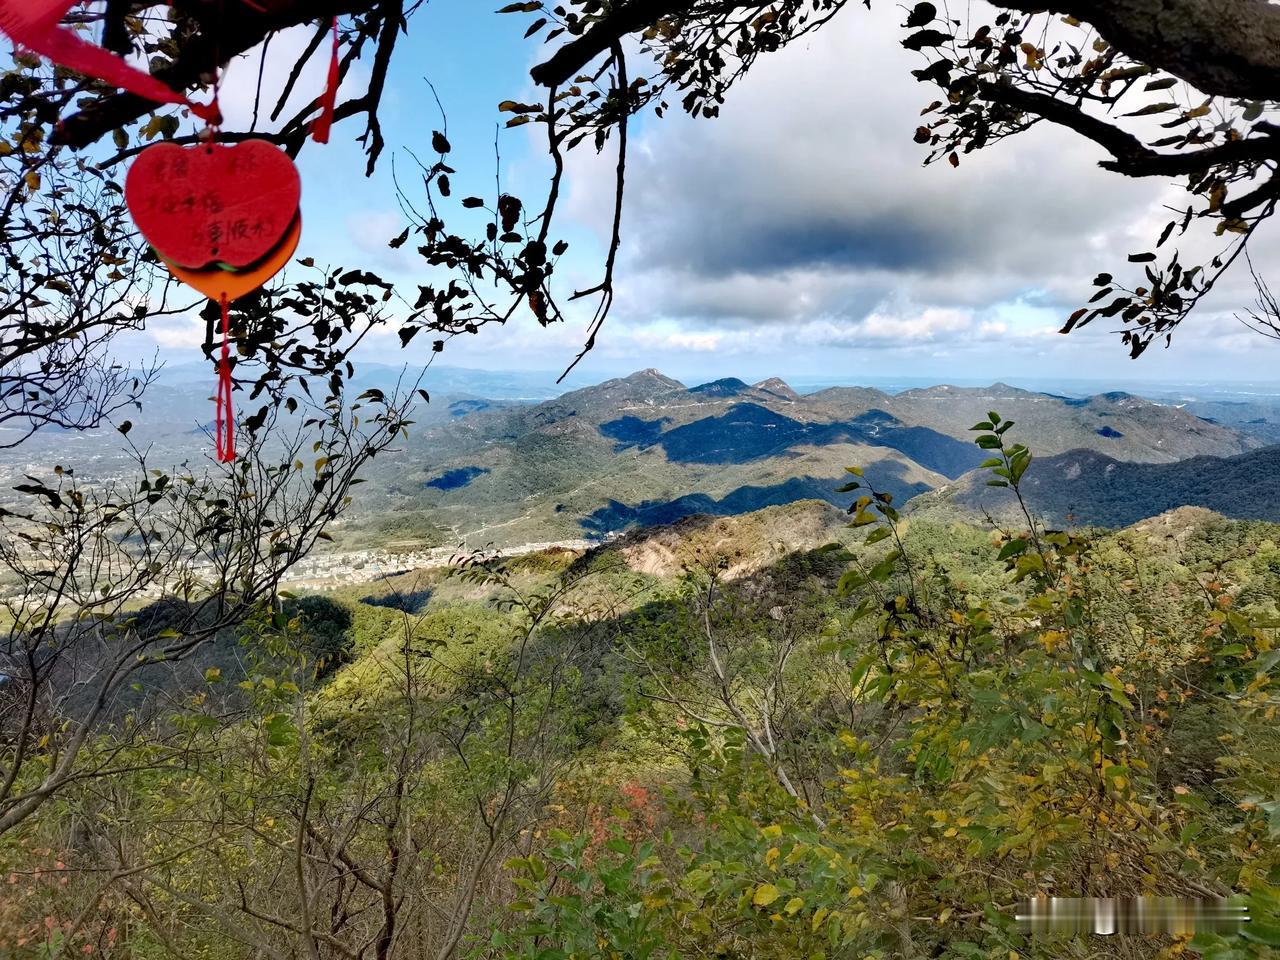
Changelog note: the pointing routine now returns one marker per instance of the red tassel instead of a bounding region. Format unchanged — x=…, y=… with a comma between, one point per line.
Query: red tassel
x=33, y=24
x=321, y=125
x=225, y=426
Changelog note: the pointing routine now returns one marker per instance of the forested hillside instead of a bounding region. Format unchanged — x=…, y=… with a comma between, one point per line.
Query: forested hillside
x=319, y=643
x=1085, y=487
x=780, y=734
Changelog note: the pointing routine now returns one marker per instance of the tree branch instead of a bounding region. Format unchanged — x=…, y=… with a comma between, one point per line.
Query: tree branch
x=1228, y=48
x=1131, y=156
x=1223, y=47
x=239, y=28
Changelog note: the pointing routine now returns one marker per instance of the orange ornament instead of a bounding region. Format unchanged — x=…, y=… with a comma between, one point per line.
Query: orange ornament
x=218, y=284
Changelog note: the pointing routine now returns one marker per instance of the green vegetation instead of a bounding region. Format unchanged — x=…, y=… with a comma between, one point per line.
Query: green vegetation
x=694, y=744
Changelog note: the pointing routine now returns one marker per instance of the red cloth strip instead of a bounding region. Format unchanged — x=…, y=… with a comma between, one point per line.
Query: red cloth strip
x=225, y=425
x=321, y=125
x=33, y=24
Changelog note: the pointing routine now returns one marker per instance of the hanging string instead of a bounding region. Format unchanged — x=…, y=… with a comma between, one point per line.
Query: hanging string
x=225, y=425
x=224, y=420
x=321, y=125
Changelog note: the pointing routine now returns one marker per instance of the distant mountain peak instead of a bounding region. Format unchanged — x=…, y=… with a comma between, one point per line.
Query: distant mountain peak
x=996, y=391
x=725, y=387
x=778, y=387
x=1009, y=389
x=605, y=399
x=649, y=373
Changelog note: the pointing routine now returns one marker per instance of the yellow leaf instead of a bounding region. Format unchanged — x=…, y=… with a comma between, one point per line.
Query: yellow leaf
x=765, y=894
x=793, y=906
x=1051, y=639
x=798, y=851
x=772, y=832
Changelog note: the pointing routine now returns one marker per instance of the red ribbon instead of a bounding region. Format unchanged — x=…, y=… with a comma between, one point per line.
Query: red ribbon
x=321, y=125
x=225, y=425
x=33, y=24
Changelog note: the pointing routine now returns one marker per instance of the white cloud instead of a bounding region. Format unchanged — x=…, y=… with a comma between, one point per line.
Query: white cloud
x=179, y=332
x=926, y=325
x=804, y=210
x=370, y=231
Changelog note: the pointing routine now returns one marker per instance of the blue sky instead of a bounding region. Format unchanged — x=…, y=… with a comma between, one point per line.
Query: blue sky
x=797, y=235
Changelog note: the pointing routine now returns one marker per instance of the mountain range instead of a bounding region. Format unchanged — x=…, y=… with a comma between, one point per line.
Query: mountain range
x=1089, y=487
x=503, y=460
x=647, y=449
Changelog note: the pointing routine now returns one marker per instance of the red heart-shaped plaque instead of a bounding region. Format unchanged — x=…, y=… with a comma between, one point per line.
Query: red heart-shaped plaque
x=211, y=203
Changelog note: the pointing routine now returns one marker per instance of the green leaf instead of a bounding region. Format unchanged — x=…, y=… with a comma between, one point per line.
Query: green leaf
x=279, y=730
x=1265, y=933
x=1267, y=661
x=1011, y=548
x=862, y=518
x=1151, y=108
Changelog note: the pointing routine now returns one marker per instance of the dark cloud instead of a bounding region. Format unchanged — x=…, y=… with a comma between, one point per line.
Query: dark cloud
x=764, y=241
x=808, y=194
